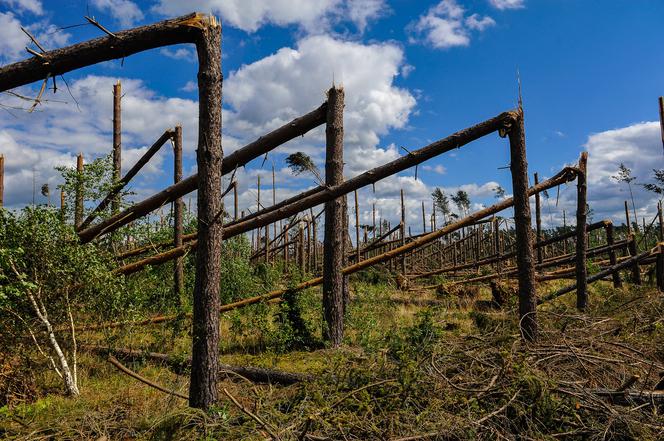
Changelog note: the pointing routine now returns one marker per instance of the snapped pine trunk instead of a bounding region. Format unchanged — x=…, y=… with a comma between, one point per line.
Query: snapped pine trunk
x=524, y=237
x=581, y=236
x=333, y=251
x=203, y=391
x=178, y=210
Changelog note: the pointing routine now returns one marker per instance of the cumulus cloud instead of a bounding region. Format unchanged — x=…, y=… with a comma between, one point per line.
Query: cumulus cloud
x=445, y=25
x=639, y=147
x=181, y=53
x=13, y=41
x=250, y=15
x=57, y=130
x=507, y=4
x=32, y=6
x=439, y=169
x=125, y=12
x=270, y=92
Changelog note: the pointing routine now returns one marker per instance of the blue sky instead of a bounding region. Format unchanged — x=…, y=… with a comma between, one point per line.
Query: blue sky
x=413, y=71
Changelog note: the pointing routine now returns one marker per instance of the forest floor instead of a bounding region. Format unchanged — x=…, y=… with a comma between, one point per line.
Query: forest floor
x=441, y=368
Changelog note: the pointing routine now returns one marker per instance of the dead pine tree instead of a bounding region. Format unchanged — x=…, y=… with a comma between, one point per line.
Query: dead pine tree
x=117, y=141
x=333, y=251
x=2, y=180
x=524, y=237
x=203, y=390
x=78, y=202
x=178, y=210
x=581, y=236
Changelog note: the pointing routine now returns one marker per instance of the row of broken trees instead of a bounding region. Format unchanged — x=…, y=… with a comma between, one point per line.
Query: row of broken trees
x=525, y=255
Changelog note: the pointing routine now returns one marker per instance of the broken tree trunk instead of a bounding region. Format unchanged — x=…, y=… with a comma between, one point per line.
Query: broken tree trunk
x=581, y=237
x=203, y=391
x=117, y=141
x=617, y=283
x=178, y=211
x=258, y=375
x=524, y=236
x=333, y=251
x=78, y=202
x=538, y=221
x=121, y=183
x=2, y=180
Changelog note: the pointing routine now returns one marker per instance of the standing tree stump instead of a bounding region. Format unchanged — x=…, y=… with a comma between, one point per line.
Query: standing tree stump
x=334, y=249
x=524, y=237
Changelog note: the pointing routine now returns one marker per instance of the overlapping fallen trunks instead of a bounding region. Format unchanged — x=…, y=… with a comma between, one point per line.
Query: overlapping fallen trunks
x=566, y=175
x=239, y=158
x=600, y=275
x=324, y=194
x=259, y=375
x=506, y=256
x=168, y=134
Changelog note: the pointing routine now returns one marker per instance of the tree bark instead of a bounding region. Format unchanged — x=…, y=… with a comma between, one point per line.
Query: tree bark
x=617, y=283
x=78, y=203
x=333, y=251
x=2, y=180
x=178, y=210
x=524, y=236
x=205, y=349
x=581, y=237
x=538, y=221
x=117, y=141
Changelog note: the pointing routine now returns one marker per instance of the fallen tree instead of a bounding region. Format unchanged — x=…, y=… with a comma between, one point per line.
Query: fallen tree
x=258, y=375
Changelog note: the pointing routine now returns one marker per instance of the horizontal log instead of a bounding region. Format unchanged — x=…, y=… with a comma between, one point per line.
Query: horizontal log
x=239, y=158
x=600, y=275
x=258, y=375
x=122, y=44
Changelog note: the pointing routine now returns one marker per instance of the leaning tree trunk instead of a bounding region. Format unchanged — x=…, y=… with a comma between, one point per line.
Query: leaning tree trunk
x=334, y=249
x=524, y=236
x=205, y=351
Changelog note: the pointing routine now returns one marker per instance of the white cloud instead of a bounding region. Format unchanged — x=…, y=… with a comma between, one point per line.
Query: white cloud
x=250, y=15
x=57, y=130
x=639, y=147
x=478, y=23
x=190, y=86
x=270, y=92
x=361, y=11
x=126, y=12
x=32, y=6
x=507, y=4
x=444, y=26
x=13, y=41
x=439, y=169
x=181, y=53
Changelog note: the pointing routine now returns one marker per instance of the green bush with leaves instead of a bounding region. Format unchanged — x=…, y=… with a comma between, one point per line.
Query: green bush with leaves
x=48, y=281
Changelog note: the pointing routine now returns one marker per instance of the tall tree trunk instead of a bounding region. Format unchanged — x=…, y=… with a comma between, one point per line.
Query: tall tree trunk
x=333, y=251
x=117, y=141
x=203, y=391
x=78, y=203
x=178, y=209
x=524, y=237
x=581, y=236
